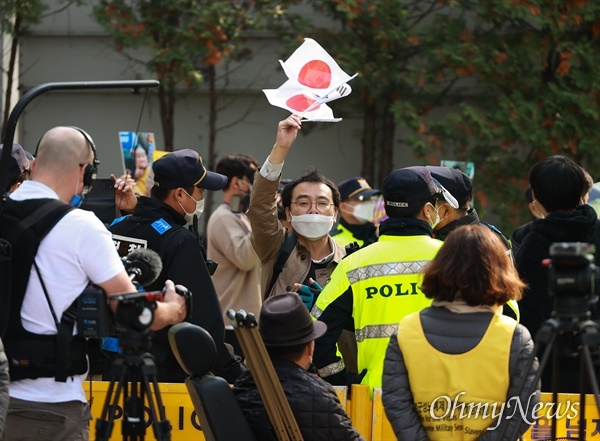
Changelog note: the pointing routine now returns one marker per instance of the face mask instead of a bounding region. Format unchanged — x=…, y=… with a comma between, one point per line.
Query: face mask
x=77, y=199
x=437, y=217
x=364, y=211
x=312, y=226
x=189, y=217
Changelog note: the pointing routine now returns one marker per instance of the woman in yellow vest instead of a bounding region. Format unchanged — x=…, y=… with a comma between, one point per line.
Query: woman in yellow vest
x=452, y=371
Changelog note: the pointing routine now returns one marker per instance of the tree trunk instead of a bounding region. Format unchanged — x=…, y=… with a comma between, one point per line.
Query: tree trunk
x=11, y=72
x=368, y=143
x=386, y=158
x=166, y=98
x=211, y=160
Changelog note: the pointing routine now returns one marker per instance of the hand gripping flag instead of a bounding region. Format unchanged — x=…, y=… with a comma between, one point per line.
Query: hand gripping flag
x=314, y=79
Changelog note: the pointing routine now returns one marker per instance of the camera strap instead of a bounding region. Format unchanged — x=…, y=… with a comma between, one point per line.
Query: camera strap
x=64, y=331
x=37, y=225
x=37, y=270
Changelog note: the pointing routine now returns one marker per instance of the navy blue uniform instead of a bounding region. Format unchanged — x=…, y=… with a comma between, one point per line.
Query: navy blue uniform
x=158, y=227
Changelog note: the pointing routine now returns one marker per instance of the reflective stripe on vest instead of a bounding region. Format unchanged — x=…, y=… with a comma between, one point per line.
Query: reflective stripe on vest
x=384, y=280
x=457, y=396
x=332, y=368
x=316, y=311
x=385, y=269
x=375, y=331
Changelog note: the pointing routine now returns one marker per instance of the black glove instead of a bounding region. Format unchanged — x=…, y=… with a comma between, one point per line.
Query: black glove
x=352, y=378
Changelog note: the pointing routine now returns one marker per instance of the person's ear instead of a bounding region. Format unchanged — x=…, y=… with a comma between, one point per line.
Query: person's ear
x=288, y=214
x=443, y=211
x=425, y=211
x=310, y=348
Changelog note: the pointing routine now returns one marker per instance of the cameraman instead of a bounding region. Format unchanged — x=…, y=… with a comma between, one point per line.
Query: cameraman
x=77, y=250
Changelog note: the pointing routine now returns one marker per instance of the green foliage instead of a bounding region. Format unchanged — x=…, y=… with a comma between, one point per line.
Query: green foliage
x=529, y=87
x=501, y=83
x=28, y=11
x=183, y=35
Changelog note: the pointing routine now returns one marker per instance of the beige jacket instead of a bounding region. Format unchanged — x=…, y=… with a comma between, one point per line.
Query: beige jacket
x=268, y=235
x=237, y=279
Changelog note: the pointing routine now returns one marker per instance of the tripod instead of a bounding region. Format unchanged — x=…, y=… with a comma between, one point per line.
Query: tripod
x=132, y=373
x=569, y=332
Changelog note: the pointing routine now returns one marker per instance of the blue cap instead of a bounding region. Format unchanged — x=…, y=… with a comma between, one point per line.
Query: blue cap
x=356, y=188
x=410, y=186
x=455, y=181
x=184, y=168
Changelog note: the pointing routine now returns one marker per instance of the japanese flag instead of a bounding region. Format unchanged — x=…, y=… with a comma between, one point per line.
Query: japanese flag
x=314, y=79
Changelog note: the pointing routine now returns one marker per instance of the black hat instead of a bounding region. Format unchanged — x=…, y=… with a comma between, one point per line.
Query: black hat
x=356, y=187
x=406, y=187
x=184, y=168
x=285, y=321
x=455, y=181
x=18, y=161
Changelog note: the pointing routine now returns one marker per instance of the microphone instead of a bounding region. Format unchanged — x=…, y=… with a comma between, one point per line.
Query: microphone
x=143, y=266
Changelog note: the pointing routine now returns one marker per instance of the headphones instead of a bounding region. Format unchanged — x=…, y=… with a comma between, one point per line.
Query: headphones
x=91, y=170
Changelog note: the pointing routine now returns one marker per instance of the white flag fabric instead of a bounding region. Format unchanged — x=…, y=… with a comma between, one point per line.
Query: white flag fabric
x=314, y=79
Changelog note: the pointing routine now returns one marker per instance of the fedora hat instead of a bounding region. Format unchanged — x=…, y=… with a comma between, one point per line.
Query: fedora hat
x=285, y=321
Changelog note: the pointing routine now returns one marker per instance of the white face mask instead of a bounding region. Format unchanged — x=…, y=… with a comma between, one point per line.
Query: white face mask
x=364, y=211
x=312, y=226
x=437, y=217
x=189, y=217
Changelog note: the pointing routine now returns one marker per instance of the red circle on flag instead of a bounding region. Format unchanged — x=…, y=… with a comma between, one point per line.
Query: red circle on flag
x=300, y=103
x=315, y=74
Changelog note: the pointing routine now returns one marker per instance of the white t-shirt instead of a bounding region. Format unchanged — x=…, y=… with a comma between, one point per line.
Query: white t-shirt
x=79, y=248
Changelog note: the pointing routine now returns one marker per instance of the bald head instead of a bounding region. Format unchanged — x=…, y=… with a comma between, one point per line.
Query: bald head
x=63, y=149
x=60, y=162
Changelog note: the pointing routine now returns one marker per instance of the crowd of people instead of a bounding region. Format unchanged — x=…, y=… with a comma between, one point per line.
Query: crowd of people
x=425, y=302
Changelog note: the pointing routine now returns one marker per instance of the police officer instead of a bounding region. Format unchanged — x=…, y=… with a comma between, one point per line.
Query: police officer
x=379, y=284
x=357, y=208
x=461, y=187
x=158, y=223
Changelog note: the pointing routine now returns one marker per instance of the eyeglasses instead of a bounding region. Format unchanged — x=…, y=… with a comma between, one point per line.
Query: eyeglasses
x=304, y=205
x=248, y=184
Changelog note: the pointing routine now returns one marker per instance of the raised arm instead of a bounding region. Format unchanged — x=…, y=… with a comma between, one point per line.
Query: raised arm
x=267, y=232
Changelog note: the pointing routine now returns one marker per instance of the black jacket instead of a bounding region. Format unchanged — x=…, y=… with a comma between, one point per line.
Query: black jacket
x=313, y=401
x=453, y=333
x=184, y=262
x=532, y=244
x=471, y=218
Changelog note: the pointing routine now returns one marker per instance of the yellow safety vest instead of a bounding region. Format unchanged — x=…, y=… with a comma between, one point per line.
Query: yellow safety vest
x=386, y=285
x=345, y=236
x=457, y=396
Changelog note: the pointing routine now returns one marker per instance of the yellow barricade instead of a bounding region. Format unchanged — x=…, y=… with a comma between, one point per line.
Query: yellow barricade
x=367, y=414
x=179, y=410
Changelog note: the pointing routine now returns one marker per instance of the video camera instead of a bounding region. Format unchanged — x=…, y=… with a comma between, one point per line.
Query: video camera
x=573, y=279
x=135, y=310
